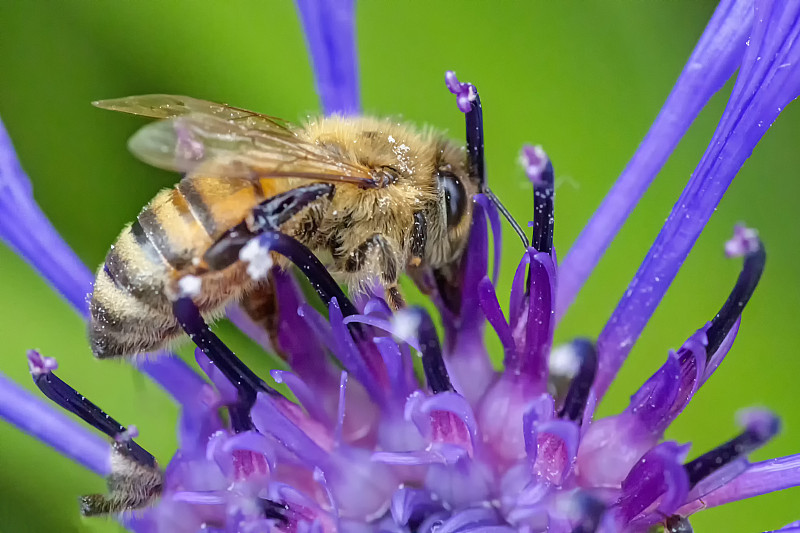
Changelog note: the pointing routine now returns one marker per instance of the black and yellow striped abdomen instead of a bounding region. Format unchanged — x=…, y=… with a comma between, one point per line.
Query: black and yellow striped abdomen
x=131, y=311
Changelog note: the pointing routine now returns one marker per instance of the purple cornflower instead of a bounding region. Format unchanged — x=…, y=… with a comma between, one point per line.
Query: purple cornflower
x=370, y=448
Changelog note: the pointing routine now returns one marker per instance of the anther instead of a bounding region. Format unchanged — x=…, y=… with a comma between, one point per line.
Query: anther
x=744, y=243
x=760, y=427
x=584, y=352
x=68, y=398
x=540, y=171
x=432, y=361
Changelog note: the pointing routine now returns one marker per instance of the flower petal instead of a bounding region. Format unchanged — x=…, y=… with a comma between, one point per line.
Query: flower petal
x=762, y=90
x=25, y=228
x=715, y=58
x=330, y=34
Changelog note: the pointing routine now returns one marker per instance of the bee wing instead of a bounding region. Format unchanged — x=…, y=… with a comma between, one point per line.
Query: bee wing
x=236, y=149
x=229, y=141
x=173, y=105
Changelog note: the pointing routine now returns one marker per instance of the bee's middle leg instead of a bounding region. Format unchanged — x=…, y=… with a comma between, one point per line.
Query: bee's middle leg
x=381, y=249
x=269, y=215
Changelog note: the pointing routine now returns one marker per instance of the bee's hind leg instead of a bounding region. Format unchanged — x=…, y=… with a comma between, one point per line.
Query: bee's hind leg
x=379, y=248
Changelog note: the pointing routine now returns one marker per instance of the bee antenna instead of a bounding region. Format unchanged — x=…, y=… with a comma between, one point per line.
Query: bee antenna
x=503, y=211
x=469, y=102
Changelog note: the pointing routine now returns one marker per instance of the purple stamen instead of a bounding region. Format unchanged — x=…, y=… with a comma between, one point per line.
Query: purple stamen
x=754, y=260
x=37, y=418
x=585, y=352
x=543, y=208
x=469, y=102
x=68, y=398
x=761, y=426
x=540, y=172
x=432, y=361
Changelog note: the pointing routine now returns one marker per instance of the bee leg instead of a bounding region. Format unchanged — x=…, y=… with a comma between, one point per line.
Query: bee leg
x=269, y=215
x=422, y=276
x=448, y=285
x=261, y=305
x=394, y=298
x=419, y=239
x=386, y=259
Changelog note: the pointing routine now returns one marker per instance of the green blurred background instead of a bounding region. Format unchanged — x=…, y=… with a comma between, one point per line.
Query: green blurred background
x=585, y=79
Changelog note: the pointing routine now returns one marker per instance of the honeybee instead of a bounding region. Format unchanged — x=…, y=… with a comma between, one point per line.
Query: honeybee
x=373, y=197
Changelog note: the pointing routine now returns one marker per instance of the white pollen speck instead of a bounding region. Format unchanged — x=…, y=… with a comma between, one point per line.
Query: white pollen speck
x=405, y=325
x=195, y=261
x=390, y=139
x=190, y=286
x=564, y=362
x=258, y=259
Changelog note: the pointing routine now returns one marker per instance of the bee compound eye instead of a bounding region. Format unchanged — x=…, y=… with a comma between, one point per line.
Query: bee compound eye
x=455, y=197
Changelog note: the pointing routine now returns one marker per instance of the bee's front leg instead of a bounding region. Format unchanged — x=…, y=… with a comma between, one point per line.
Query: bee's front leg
x=377, y=251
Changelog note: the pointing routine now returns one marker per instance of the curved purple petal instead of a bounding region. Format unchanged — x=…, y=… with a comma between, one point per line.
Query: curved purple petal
x=27, y=231
x=692, y=359
x=354, y=360
x=464, y=351
x=494, y=315
x=269, y=420
x=310, y=401
x=330, y=34
x=715, y=58
x=763, y=88
x=653, y=401
x=25, y=228
x=241, y=320
x=540, y=321
x=657, y=476
x=497, y=233
x=557, y=448
x=297, y=342
x=722, y=351
x=408, y=503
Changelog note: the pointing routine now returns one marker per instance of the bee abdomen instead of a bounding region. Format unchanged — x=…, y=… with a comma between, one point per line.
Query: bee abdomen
x=130, y=307
x=129, y=311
